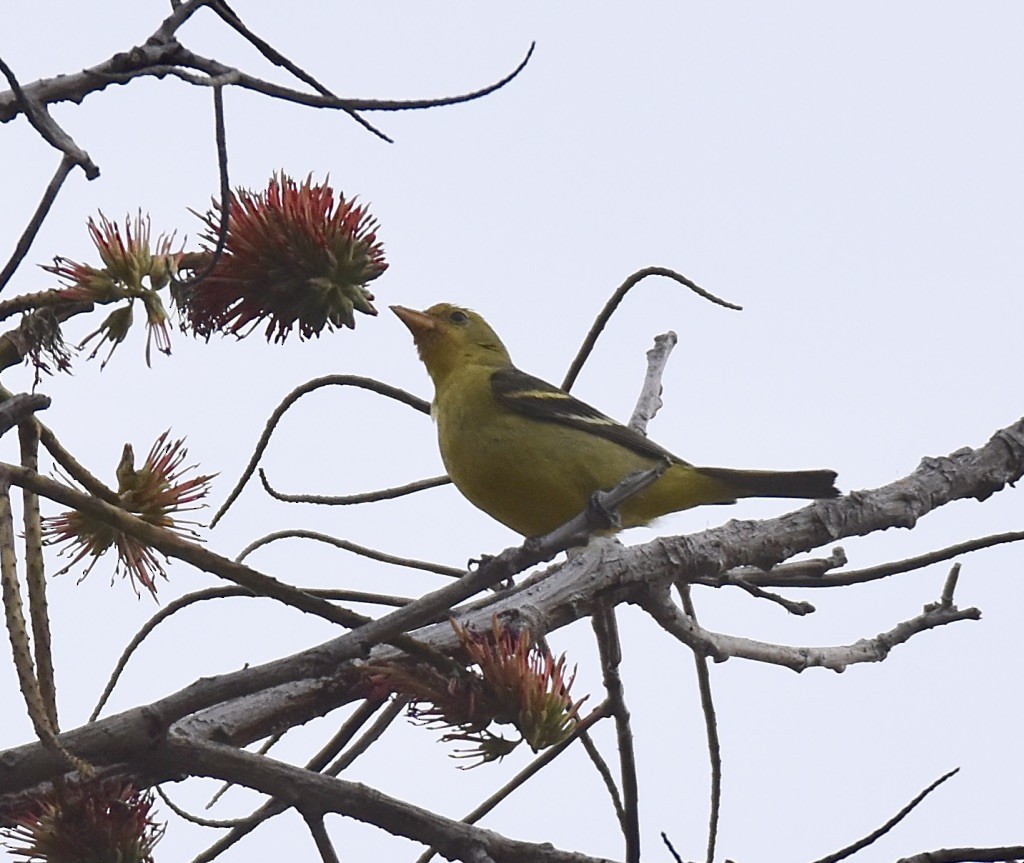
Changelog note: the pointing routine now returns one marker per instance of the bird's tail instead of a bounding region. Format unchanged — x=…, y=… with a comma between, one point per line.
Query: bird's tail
x=775, y=483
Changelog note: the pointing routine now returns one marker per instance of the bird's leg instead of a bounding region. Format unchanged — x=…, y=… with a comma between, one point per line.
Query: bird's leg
x=601, y=516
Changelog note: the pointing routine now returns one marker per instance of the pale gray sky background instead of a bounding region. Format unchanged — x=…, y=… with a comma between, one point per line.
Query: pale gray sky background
x=850, y=173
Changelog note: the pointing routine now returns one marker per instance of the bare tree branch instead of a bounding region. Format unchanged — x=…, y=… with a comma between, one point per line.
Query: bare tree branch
x=315, y=681
x=798, y=608
x=609, y=646
x=162, y=53
x=13, y=406
x=613, y=303
x=606, y=776
x=337, y=542
x=172, y=545
x=21, y=649
x=721, y=647
x=16, y=409
x=36, y=113
x=318, y=763
x=795, y=577
x=315, y=823
x=209, y=593
x=707, y=704
x=35, y=575
x=649, y=402
x=292, y=397
x=220, y=136
x=349, y=499
x=278, y=59
x=191, y=817
x=875, y=835
x=671, y=850
x=454, y=839
x=28, y=236
x=968, y=855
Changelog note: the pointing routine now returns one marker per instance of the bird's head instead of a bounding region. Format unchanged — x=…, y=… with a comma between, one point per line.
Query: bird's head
x=449, y=336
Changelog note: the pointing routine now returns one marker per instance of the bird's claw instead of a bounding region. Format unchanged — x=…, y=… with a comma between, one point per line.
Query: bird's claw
x=600, y=515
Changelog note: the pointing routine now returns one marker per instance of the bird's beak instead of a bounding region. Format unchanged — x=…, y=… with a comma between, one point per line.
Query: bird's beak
x=419, y=324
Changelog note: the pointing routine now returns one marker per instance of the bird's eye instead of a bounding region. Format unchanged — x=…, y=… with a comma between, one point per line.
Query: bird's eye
x=458, y=317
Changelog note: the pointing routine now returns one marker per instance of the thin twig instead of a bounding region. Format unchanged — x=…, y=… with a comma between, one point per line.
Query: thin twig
x=220, y=135
x=221, y=593
x=1004, y=854
x=707, y=704
x=812, y=567
x=187, y=58
x=262, y=749
x=606, y=631
x=350, y=727
x=27, y=237
x=604, y=771
x=799, y=608
x=182, y=12
x=318, y=763
x=875, y=835
x=368, y=738
x=383, y=557
x=161, y=52
x=789, y=575
x=64, y=459
x=292, y=397
x=720, y=646
x=315, y=823
x=602, y=711
x=349, y=499
x=946, y=600
x=191, y=817
x=278, y=59
x=671, y=850
x=74, y=469
x=613, y=303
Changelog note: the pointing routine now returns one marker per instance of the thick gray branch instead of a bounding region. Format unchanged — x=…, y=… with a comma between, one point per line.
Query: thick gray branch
x=456, y=840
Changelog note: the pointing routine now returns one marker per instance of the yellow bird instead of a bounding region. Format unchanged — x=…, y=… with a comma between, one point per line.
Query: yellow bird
x=530, y=455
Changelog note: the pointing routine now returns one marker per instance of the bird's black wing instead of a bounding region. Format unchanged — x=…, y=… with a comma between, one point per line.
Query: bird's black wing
x=538, y=399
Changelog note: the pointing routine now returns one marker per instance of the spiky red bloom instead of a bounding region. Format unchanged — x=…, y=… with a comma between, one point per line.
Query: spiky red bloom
x=86, y=822
x=295, y=255
x=519, y=683
x=528, y=683
x=156, y=493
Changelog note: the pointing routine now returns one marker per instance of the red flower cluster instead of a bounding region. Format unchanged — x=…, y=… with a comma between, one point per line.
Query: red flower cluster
x=295, y=255
x=85, y=822
x=519, y=683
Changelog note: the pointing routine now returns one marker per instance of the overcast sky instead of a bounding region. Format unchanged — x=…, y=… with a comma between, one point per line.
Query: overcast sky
x=849, y=173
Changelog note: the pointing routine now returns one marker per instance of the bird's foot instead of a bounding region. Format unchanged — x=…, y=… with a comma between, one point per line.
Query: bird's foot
x=600, y=516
